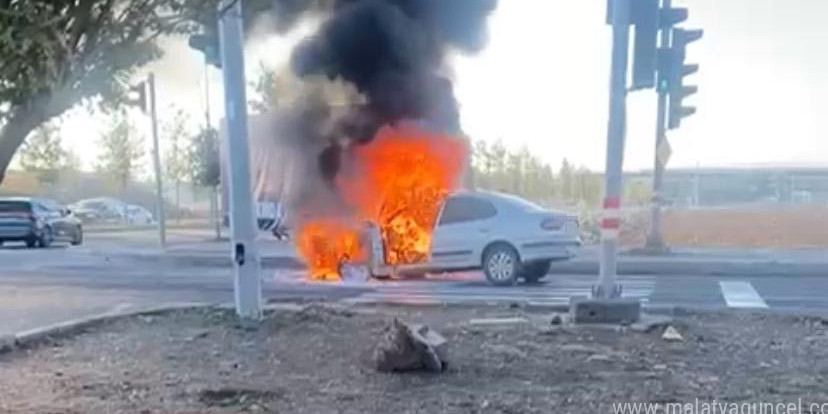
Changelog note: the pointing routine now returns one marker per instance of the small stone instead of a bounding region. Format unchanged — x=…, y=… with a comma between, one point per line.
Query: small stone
x=671, y=335
x=599, y=358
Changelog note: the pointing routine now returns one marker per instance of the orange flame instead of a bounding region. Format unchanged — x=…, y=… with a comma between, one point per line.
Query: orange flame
x=398, y=182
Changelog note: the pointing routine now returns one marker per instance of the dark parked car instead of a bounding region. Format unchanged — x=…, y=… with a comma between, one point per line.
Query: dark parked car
x=37, y=222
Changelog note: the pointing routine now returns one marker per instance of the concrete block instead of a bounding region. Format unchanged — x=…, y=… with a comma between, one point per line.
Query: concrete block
x=622, y=311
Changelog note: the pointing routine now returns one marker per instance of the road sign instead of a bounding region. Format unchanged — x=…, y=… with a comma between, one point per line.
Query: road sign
x=663, y=152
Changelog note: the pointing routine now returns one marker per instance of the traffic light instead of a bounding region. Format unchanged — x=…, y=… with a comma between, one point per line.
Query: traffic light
x=645, y=17
x=207, y=44
x=139, y=96
x=676, y=69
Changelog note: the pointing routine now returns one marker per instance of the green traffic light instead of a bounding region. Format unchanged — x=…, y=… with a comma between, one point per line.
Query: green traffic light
x=662, y=86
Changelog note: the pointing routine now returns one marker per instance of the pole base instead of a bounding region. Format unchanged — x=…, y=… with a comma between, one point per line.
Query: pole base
x=612, y=311
x=598, y=292
x=655, y=246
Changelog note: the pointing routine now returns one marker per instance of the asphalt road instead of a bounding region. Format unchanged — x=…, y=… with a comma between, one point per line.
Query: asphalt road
x=44, y=286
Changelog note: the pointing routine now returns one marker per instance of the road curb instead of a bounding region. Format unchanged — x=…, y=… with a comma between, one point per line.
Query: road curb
x=67, y=328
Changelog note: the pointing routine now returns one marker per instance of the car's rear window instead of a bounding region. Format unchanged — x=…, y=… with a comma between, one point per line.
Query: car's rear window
x=14, y=206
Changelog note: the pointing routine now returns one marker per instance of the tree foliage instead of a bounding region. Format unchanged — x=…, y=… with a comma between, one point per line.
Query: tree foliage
x=43, y=154
x=520, y=172
x=121, y=151
x=58, y=53
x=203, y=158
x=174, y=134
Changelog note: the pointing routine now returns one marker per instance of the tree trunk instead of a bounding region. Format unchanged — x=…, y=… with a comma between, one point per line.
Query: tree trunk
x=177, y=201
x=14, y=132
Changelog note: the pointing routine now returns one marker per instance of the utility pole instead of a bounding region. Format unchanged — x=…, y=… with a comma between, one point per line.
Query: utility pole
x=156, y=161
x=606, y=304
x=655, y=241
x=248, y=289
x=616, y=131
x=214, y=207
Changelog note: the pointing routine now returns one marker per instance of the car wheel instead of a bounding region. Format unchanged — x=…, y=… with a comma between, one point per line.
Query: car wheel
x=1, y=243
x=78, y=239
x=535, y=271
x=501, y=265
x=31, y=242
x=46, y=238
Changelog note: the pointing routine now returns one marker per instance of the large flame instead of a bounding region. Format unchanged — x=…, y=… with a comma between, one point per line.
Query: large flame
x=398, y=182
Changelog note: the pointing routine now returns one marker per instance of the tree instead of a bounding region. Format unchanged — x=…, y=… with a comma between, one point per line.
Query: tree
x=58, y=53
x=203, y=159
x=565, y=176
x=266, y=91
x=175, y=158
x=122, y=150
x=43, y=154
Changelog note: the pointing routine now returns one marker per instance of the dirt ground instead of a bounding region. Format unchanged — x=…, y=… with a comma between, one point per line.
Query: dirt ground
x=780, y=227
x=316, y=361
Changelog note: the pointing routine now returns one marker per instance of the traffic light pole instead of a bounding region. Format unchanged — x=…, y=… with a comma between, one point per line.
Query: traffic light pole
x=156, y=163
x=616, y=129
x=655, y=240
x=248, y=290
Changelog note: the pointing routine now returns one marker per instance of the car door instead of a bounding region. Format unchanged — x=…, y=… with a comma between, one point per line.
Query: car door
x=463, y=230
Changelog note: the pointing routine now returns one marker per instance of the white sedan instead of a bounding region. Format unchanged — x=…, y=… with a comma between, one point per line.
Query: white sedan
x=509, y=238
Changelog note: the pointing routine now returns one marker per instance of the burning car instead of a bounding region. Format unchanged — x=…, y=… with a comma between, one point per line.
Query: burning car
x=509, y=238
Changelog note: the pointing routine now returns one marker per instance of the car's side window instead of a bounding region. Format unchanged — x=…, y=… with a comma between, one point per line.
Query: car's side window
x=459, y=209
x=39, y=209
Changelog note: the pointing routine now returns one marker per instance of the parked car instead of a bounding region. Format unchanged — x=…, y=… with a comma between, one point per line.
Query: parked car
x=509, y=238
x=138, y=215
x=37, y=222
x=99, y=209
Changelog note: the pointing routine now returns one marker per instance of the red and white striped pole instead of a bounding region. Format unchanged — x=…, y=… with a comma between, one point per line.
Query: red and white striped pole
x=616, y=129
x=611, y=218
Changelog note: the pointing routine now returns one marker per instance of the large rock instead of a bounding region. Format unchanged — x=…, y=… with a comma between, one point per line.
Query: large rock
x=405, y=347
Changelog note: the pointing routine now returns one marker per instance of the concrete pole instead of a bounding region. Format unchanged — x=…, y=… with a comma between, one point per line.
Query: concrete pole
x=156, y=162
x=655, y=239
x=616, y=129
x=214, y=210
x=246, y=264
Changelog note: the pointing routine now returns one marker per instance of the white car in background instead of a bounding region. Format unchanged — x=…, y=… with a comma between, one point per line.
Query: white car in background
x=138, y=215
x=508, y=237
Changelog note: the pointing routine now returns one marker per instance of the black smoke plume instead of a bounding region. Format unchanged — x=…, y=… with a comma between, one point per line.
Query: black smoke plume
x=393, y=52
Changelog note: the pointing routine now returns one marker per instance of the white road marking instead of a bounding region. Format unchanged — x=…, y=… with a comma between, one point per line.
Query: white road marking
x=741, y=294
x=550, y=294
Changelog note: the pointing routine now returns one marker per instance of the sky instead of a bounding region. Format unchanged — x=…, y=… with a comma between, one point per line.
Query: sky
x=542, y=82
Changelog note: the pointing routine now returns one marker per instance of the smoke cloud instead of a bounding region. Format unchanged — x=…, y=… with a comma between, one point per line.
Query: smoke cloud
x=392, y=53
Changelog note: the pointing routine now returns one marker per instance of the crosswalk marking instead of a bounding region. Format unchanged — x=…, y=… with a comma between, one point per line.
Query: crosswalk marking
x=741, y=294
x=553, y=293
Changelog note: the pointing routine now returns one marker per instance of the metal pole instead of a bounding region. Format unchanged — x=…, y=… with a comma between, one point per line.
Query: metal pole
x=655, y=239
x=616, y=129
x=156, y=161
x=248, y=290
x=214, y=214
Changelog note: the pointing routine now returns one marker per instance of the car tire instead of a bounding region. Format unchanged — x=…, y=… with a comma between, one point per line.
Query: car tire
x=31, y=242
x=1, y=243
x=535, y=271
x=78, y=239
x=501, y=264
x=46, y=238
